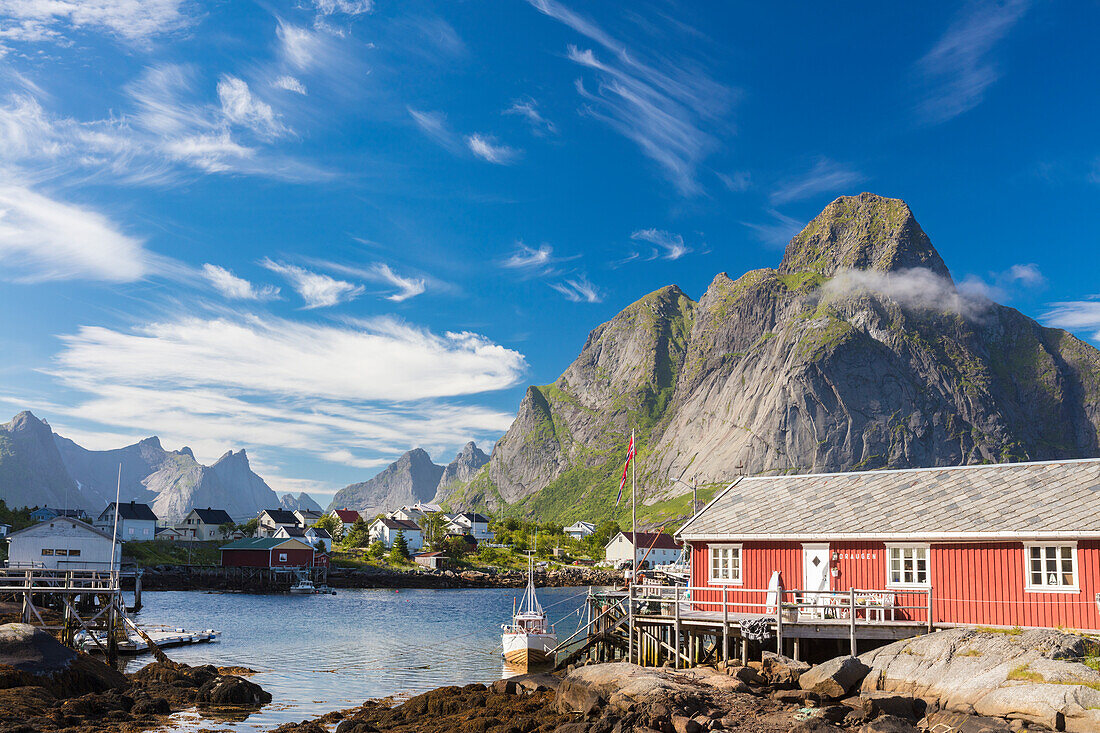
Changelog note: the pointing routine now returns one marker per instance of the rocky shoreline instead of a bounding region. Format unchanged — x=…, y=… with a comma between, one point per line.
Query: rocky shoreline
x=45, y=686
x=177, y=577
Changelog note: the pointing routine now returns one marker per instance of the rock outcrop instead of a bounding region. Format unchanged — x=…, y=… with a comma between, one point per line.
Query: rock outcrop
x=302, y=501
x=411, y=478
x=856, y=352
x=31, y=470
x=1032, y=676
x=29, y=657
x=461, y=470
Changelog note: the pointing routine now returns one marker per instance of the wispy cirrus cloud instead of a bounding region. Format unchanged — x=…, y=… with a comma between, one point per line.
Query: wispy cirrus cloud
x=961, y=66
x=665, y=107
x=434, y=126
x=348, y=7
x=825, y=176
x=777, y=232
x=290, y=84
x=532, y=261
x=236, y=288
x=241, y=107
x=407, y=287
x=1075, y=315
x=667, y=245
x=578, y=290
x=1002, y=286
x=317, y=289
x=528, y=109
x=486, y=148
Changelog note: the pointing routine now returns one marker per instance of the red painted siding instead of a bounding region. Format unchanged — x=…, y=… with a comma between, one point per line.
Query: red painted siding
x=267, y=558
x=972, y=583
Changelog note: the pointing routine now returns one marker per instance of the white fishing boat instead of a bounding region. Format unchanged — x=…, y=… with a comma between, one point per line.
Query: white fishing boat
x=304, y=587
x=529, y=640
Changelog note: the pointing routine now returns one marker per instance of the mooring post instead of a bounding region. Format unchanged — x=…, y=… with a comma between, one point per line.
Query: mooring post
x=676, y=625
x=137, y=589
x=725, y=627
x=779, y=618
x=852, y=618
x=929, y=609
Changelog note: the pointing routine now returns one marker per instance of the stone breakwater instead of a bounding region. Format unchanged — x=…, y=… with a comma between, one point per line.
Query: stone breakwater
x=45, y=686
x=181, y=577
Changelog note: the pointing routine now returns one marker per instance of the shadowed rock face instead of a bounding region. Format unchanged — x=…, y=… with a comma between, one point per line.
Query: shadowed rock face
x=411, y=478
x=30, y=657
x=857, y=352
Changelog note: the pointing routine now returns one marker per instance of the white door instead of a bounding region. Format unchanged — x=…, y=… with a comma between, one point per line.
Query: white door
x=815, y=576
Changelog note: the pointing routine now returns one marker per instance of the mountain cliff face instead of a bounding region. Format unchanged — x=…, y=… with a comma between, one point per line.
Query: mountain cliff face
x=459, y=471
x=858, y=351
x=411, y=478
x=302, y=501
x=39, y=467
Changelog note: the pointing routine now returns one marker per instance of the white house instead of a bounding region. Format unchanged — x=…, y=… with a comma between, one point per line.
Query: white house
x=65, y=544
x=386, y=529
x=204, y=524
x=471, y=523
x=407, y=514
x=136, y=522
x=307, y=517
x=313, y=535
x=272, y=519
x=662, y=548
x=580, y=530
x=346, y=517
x=4, y=530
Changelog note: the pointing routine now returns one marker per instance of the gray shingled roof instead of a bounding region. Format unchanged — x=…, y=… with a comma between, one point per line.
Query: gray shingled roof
x=1054, y=498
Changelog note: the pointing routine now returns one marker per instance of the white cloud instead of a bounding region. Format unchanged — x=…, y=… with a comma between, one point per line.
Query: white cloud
x=317, y=289
x=777, y=232
x=738, y=181
x=918, y=288
x=534, y=262
x=959, y=68
x=1001, y=286
x=215, y=152
x=290, y=84
x=664, y=107
x=236, y=288
x=826, y=176
x=132, y=20
x=1075, y=315
x=528, y=109
x=669, y=246
x=240, y=107
x=434, y=125
x=488, y=150
x=349, y=7
x=579, y=290
x=42, y=238
x=301, y=47
x=407, y=287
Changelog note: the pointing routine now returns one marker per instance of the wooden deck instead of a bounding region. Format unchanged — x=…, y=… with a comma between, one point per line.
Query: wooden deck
x=805, y=627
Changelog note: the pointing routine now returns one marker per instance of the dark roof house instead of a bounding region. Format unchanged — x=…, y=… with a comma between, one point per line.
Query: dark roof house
x=212, y=516
x=129, y=510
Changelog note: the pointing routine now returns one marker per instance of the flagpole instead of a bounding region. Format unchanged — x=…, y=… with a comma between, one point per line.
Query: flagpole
x=634, y=505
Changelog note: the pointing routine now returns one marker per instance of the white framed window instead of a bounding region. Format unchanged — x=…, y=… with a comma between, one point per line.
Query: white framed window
x=282, y=557
x=1051, y=567
x=907, y=566
x=725, y=564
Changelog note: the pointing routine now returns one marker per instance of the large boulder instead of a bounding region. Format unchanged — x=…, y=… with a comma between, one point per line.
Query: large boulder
x=1029, y=676
x=230, y=690
x=627, y=687
x=834, y=679
x=945, y=721
x=31, y=657
x=780, y=670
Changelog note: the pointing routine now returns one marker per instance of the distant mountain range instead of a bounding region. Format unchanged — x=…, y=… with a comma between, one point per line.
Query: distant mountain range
x=302, y=501
x=39, y=467
x=857, y=352
x=410, y=479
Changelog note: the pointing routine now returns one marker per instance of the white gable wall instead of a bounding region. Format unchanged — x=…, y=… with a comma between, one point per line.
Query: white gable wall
x=61, y=544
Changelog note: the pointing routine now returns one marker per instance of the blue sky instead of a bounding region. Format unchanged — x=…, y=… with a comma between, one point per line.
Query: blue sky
x=332, y=230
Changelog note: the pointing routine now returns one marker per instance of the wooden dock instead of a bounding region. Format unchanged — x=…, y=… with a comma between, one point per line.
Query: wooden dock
x=686, y=626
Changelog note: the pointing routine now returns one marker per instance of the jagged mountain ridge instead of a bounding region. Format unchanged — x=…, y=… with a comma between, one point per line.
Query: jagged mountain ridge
x=412, y=478
x=857, y=351
x=302, y=501
x=39, y=467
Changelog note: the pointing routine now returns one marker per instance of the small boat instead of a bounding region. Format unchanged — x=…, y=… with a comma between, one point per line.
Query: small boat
x=304, y=587
x=529, y=640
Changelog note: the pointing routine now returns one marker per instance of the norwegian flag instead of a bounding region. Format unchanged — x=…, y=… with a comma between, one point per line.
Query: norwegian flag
x=622, y=483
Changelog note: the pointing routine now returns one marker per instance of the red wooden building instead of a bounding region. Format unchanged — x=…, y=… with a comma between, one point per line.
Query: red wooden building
x=998, y=545
x=270, y=552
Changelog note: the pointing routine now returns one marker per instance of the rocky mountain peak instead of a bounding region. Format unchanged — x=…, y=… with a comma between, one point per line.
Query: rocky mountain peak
x=411, y=478
x=468, y=461
x=231, y=457
x=864, y=232
x=151, y=442
x=25, y=421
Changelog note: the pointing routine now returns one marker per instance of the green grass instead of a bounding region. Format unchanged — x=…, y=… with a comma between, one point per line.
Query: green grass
x=1014, y=631
x=164, y=552
x=1025, y=674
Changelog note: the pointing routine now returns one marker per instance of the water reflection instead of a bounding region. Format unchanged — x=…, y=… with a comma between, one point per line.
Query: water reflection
x=320, y=653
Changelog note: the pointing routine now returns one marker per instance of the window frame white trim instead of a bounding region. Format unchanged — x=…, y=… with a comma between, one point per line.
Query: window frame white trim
x=1029, y=588
x=927, y=547
x=740, y=580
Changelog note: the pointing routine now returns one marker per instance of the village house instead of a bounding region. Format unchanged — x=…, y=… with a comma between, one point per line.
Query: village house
x=4, y=530
x=295, y=532
x=313, y=535
x=62, y=544
x=269, y=552
x=432, y=560
x=272, y=519
x=580, y=530
x=653, y=547
x=204, y=524
x=47, y=513
x=471, y=523
x=346, y=517
x=307, y=517
x=994, y=545
x=136, y=522
x=170, y=534
x=386, y=529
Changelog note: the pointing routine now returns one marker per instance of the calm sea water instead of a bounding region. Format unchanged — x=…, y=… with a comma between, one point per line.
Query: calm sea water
x=320, y=653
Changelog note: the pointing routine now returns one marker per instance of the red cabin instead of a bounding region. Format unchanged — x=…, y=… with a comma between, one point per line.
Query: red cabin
x=268, y=552
x=997, y=545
